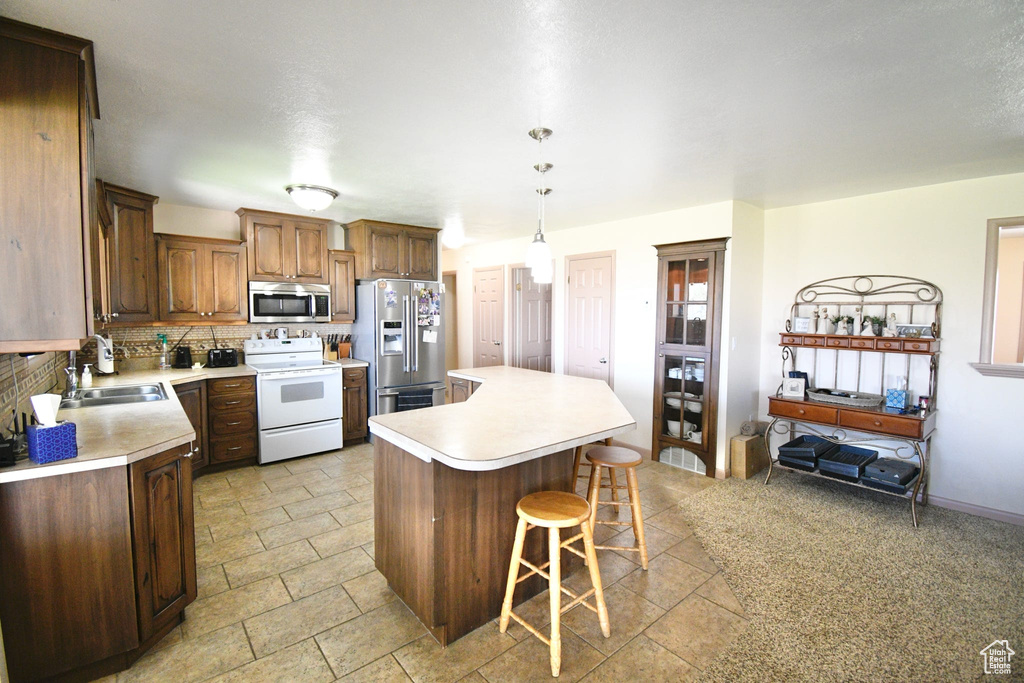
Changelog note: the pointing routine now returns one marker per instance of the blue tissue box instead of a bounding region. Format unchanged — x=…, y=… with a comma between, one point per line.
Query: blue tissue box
x=897, y=398
x=50, y=444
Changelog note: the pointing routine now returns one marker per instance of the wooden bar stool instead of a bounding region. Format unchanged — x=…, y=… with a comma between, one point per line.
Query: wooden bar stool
x=612, y=458
x=577, y=462
x=554, y=510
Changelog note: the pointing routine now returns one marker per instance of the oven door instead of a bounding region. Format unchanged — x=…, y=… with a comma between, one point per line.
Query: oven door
x=281, y=307
x=299, y=397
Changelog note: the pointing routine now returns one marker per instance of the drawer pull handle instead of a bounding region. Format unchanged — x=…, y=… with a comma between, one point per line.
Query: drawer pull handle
x=801, y=411
x=877, y=423
x=235, y=448
x=232, y=424
x=231, y=386
x=231, y=403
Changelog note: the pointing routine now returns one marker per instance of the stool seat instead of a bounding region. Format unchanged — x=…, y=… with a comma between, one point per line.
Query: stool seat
x=553, y=509
x=614, y=456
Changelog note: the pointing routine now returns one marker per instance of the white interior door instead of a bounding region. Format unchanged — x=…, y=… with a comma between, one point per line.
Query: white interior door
x=589, y=317
x=488, y=316
x=531, y=322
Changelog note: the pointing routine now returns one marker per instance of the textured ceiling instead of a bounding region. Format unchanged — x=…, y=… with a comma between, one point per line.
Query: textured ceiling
x=418, y=111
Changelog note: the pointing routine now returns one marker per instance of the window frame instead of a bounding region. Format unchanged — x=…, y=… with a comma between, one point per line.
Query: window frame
x=988, y=312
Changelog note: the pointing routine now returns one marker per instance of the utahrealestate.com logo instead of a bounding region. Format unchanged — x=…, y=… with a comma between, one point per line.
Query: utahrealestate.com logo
x=997, y=657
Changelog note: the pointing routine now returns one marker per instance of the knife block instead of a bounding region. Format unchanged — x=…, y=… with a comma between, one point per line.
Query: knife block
x=328, y=354
x=344, y=350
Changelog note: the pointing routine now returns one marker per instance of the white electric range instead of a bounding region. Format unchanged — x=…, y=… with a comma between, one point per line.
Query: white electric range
x=299, y=397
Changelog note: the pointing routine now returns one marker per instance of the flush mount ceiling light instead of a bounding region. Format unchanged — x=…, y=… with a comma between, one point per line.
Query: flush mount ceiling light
x=312, y=197
x=538, y=254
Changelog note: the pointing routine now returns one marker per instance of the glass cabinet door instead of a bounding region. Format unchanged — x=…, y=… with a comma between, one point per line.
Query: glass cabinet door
x=684, y=400
x=687, y=304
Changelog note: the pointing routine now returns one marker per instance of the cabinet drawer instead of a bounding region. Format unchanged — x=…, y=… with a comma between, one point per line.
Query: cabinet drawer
x=837, y=342
x=804, y=411
x=886, y=424
x=888, y=344
x=814, y=341
x=353, y=377
x=230, y=403
x=867, y=343
x=223, y=424
x=233, y=448
x=230, y=385
x=791, y=339
x=915, y=346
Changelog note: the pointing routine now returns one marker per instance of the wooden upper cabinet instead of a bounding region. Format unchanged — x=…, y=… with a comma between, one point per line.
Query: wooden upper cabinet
x=284, y=247
x=164, y=534
x=341, y=268
x=46, y=206
x=390, y=250
x=131, y=260
x=201, y=280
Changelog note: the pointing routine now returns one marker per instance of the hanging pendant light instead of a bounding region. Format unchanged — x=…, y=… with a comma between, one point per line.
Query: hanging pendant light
x=538, y=254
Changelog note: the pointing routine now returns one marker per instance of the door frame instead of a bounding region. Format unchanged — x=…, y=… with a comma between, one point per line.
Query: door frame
x=611, y=311
x=501, y=299
x=512, y=328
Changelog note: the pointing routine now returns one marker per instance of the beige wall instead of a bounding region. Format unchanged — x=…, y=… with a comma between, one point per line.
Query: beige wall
x=1009, y=290
x=178, y=219
x=636, y=265
x=936, y=233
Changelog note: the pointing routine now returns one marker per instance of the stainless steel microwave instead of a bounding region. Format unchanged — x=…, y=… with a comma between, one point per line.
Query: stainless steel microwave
x=287, y=302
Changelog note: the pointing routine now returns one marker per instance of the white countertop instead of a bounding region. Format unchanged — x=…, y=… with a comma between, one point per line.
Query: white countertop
x=515, y=415
x=109, y=436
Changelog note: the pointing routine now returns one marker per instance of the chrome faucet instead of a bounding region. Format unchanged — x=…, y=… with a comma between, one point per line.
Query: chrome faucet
x=72, y=372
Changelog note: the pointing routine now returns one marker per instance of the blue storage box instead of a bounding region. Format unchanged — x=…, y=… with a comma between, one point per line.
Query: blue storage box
x=50, y=444
x=897, y=398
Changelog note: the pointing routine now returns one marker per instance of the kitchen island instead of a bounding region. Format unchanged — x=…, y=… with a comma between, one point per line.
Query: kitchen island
x=447, y=480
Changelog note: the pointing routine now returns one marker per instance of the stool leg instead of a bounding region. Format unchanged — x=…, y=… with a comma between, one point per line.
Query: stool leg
x=595, y=489
x=513, y=574
x=638, y=515
x=615, y=484
x=595, y=578
x=555, y=589
x=576, y=465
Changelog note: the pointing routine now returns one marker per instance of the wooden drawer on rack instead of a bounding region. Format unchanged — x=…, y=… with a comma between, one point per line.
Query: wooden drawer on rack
x=837, y=342
x=862, y=343
x=792, y=340
x=230, y=403
x=233, y=448
x=814, y=341
x=889, y=344
x=920, y=346
x=224, y=424
x=883, y=424
x=803, y=410
x=230, y=385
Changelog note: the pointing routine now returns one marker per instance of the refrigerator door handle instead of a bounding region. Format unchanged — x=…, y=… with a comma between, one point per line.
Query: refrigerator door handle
x=406, y=362
x=414, y=325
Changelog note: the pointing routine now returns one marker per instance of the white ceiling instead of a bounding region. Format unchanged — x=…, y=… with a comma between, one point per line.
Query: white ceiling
x=417, y=112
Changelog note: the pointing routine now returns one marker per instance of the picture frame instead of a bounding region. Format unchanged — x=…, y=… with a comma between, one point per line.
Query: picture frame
x=794, y=387
x=914, y=331
x=801, y=324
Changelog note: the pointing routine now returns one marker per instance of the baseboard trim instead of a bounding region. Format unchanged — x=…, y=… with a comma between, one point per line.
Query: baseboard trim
x=977, y=510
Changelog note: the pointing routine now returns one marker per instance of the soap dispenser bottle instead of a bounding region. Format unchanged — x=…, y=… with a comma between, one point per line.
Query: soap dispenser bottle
x=86, y=376
x=164, y=364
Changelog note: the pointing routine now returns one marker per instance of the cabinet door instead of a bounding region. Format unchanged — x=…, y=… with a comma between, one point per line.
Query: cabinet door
x=164, y=531
x=309, y=241
x=460, y=389
x=384, y=252
x=226, y=286
x=132, y=258
x=181, y=272
x=192, y=397
x=268, y=247
x=420, y=254
x=685, y=403
x=688, y=284
x=355, y=404
x=341, y=266
x=100, y=254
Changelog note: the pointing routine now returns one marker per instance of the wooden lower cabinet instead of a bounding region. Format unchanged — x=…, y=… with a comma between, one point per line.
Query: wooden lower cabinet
x=461, y=389
x=232, y=420
x=95, y=566
x=355, y=404
x=192, y=397
x=164, y=533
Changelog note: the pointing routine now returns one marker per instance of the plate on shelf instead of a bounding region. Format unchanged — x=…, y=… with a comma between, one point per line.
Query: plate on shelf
x=673, y=398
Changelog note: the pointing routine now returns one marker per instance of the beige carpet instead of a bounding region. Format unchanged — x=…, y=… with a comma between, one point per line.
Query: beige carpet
x=838, y=584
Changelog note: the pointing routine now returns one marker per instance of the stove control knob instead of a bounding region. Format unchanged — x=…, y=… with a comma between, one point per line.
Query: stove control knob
x=258, y=345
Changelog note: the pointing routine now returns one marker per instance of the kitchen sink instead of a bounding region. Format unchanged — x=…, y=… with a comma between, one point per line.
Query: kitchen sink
x=106, y=396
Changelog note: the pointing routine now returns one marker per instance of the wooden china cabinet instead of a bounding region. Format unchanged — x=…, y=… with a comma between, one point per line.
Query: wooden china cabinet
x=690, y=276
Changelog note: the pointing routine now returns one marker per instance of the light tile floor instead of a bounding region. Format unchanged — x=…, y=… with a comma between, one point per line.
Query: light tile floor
x=288, y=592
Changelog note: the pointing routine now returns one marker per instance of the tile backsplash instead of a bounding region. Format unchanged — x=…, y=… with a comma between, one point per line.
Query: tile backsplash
x=23, y=377
x=141, y=342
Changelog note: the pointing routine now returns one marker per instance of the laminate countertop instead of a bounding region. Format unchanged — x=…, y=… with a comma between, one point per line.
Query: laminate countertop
x=514, y=416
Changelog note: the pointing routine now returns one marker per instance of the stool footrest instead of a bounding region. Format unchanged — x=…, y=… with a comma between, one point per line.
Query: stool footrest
x=544, y=639
x=633, y=549
x=601, y=521
x=614, y=502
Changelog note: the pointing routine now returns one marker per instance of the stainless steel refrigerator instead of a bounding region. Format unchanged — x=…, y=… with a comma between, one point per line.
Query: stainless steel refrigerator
x=399, y=330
